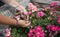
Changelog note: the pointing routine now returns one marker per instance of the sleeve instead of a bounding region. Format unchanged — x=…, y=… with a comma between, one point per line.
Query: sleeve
x=6, y=11
x=24, y=2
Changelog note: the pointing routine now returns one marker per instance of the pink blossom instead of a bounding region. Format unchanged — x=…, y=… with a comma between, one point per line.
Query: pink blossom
x=31, y=30
x=48, y=26
x=39, y=14
x=39, y=31
x=40, y=34
x=58, y=20
x=30, y=33
x=32, y=7
x=54, y=3
x=38, y=28
x=54, y=28
x=7, y=33
x=30, y=4
x=37, y=36
x=17, y=17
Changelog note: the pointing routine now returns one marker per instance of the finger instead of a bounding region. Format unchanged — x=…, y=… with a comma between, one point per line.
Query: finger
x=28, y=24
x=27, y=17
x=25, y=12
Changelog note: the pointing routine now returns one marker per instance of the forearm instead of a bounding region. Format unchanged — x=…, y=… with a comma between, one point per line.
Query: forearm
x=7, y=20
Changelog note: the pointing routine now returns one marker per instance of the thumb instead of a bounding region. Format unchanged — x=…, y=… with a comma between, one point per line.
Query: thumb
x=25, y=11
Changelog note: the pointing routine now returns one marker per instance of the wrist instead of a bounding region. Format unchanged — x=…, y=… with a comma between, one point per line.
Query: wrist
x=16, y=23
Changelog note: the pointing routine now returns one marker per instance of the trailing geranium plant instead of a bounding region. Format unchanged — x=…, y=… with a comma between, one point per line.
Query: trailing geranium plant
x=44, y=22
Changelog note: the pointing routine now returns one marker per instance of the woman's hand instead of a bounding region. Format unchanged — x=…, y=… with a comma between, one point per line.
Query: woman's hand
x=23, y=23
x=22, y=10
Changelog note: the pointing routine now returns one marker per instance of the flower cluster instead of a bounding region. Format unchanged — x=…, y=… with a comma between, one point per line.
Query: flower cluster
x=52, y=29
x=37, y=32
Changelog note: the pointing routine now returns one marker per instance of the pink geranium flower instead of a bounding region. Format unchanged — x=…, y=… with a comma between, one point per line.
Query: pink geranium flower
x=39, y=14
x=54, y=28
x=54, y=3
x=48, y=26
x=38, y=28
x=7, y=32
x=32, y=7
x=39, y=31
x=30, y=33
